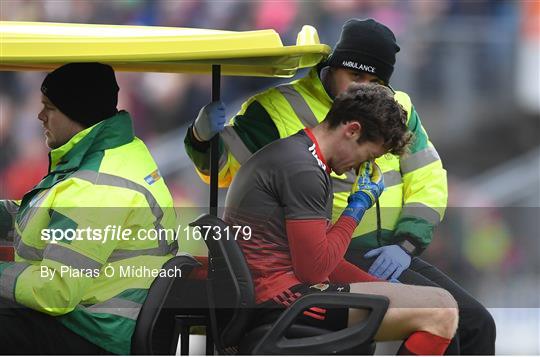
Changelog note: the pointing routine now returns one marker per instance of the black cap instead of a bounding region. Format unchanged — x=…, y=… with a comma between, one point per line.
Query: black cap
x=367, y=46
x=85, y=92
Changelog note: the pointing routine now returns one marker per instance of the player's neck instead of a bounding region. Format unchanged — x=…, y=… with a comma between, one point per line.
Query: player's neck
x=325, y=140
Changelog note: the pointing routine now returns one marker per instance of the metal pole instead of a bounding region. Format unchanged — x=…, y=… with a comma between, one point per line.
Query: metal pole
x=214, y=144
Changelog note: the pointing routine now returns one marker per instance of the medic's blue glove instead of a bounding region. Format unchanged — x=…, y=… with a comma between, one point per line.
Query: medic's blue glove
x=366, y=190
x=210, y=121
x=391, y=262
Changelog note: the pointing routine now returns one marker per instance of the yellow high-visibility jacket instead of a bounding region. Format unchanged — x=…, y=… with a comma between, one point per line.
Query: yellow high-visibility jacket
x=416, y=193
x=102, y=179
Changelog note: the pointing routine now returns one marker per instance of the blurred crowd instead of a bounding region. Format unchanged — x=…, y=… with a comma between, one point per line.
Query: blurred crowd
x=457, y=61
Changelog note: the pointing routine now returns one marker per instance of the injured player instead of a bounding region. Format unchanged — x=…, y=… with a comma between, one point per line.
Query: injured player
x=284, y=193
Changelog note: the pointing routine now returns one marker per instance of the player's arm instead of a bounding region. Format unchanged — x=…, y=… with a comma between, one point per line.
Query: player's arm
x=347, y=273
x=315, y=251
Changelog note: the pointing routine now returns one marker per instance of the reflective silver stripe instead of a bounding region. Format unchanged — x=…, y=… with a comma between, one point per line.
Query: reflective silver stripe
x=9, y=278
x=299, y=105
x=34, y=207
x=392, y=178
x=120, y=254
x=16, y=236
x=11, y=207
x=31, y=253
x=100, y=178
x=235, y=145
x=173, y=247
x=24, y=219
x=22, y=249
x=69, y=257
x=116, y=306
x=222, y=160
x=27, y=252
x=162, y=241
x=10, y=237
x=420, y=210
x=419, y=159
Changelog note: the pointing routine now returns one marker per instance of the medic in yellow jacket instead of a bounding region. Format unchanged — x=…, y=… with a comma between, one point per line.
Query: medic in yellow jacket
x=415, y=197
x=84, y=247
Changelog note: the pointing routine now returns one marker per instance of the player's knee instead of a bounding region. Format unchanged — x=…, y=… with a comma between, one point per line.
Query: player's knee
x=448, y=321
x=447, y=316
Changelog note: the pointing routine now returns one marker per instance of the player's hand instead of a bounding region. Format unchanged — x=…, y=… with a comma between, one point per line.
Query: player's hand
x=366, y=190
x=369, y=181
x=210, y=121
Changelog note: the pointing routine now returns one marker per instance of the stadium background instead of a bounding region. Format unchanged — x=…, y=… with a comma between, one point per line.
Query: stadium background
x=470, y=67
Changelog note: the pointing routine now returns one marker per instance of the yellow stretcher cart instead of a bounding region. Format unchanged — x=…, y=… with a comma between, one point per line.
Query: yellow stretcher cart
x=43, y=46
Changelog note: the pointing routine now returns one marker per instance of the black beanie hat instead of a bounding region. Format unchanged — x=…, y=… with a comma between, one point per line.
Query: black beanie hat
x=367, y=46
x=85, y=92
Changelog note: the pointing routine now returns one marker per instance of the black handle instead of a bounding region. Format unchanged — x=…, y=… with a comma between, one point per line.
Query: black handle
x=275, y=342
x=214, y=145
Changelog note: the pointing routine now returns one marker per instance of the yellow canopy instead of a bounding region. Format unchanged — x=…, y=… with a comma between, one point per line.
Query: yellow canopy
x=44, y=46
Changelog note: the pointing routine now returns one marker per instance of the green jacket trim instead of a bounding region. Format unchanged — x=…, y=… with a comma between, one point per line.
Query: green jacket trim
x=418, y=229
x=135, y=295
x=255, y=127
x=90, y=326
x=86, y=147
x=61, y=222
x=107, y=134
x=420, y=139
x=117, y=338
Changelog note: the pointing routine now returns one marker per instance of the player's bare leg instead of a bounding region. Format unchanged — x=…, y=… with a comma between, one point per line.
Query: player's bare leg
x=412, y=309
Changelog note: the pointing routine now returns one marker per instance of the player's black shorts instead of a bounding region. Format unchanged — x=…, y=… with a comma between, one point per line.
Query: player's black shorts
x=332, y=319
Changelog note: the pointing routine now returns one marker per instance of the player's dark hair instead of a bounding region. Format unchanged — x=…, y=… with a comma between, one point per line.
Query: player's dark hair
x=374, y=107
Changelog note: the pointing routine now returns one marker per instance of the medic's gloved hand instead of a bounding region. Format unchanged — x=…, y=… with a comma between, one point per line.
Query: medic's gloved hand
x=210, y=121
x=391, y=262
x=368, y=187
